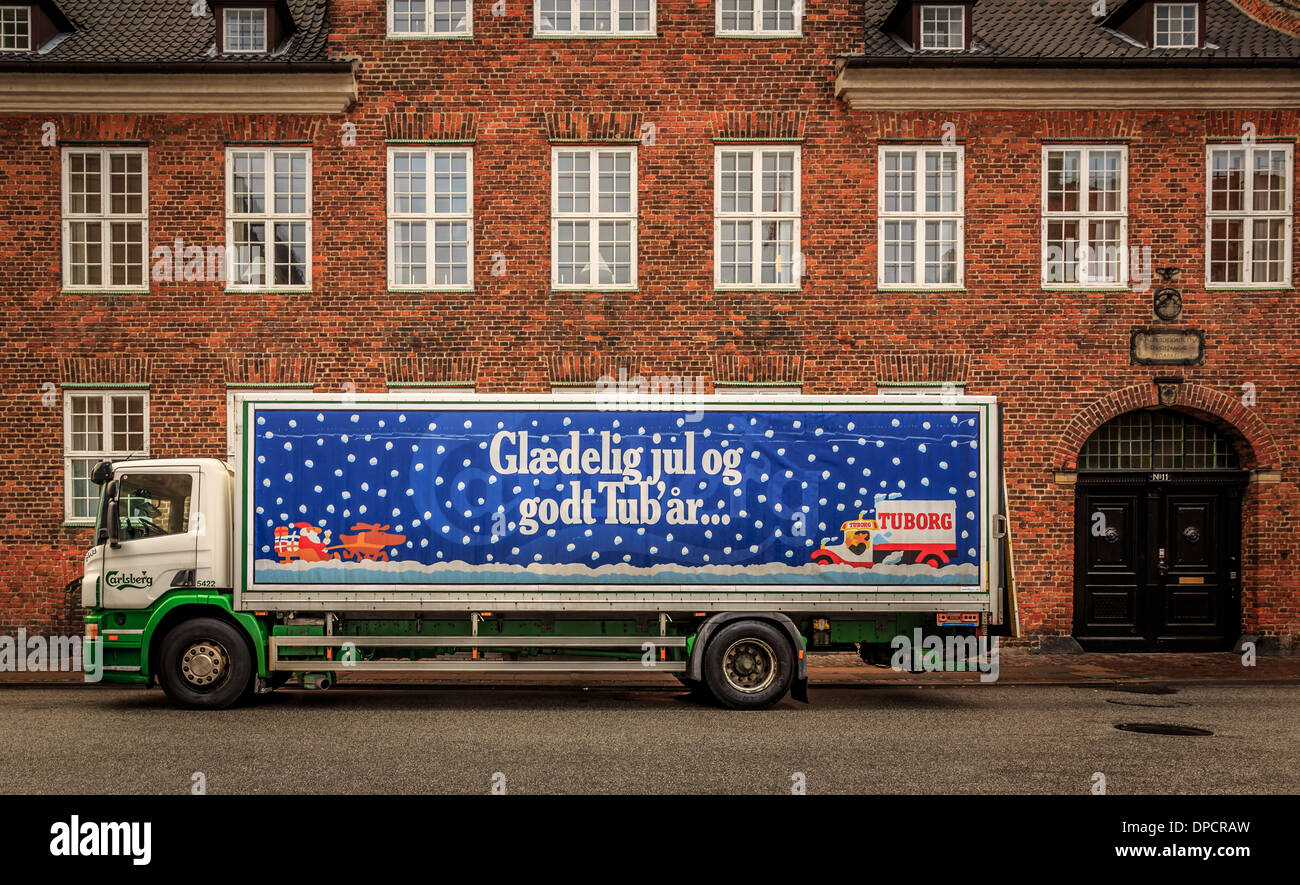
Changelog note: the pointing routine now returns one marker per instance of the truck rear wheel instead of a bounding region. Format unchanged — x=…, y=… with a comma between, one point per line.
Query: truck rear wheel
x=748, y=665
x=205, y=663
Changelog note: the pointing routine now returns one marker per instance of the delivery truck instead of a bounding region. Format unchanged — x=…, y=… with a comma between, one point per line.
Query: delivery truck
x=718, y=540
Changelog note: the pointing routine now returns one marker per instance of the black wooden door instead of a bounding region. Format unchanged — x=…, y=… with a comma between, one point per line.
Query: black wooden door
x=1157, y=561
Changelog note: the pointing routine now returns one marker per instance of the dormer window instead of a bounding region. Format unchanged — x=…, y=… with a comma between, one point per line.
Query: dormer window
x=1176, y=26
x=15, y=28
x=931, y=27
x=245, y=30
x=943, y=27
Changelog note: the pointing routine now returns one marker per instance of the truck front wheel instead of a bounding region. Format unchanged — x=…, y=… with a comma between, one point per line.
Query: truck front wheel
x=205, y=663
x=748, y=665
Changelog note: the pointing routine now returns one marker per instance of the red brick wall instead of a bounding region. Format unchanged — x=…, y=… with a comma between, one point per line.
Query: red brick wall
x=1048, y=356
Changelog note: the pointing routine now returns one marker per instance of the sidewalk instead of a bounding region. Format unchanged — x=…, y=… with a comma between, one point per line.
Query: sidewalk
x=845, y=669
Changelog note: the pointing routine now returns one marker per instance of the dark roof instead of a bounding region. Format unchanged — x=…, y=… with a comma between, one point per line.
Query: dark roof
x=165, y=34
x=1066, y=32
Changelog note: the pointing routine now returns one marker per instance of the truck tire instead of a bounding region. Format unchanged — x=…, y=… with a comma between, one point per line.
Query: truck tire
x=748, y=665
x=205, y=663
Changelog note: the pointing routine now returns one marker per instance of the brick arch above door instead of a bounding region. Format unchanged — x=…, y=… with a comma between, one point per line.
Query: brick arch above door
x=1238, y=422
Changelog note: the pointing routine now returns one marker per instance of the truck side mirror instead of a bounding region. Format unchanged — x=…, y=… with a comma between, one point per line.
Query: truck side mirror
x=111, y=531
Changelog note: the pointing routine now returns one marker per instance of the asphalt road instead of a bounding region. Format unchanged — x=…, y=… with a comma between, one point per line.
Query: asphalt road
x=975, y=739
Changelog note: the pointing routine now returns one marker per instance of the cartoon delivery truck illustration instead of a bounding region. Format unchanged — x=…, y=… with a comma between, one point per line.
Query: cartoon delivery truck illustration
x=922, y=531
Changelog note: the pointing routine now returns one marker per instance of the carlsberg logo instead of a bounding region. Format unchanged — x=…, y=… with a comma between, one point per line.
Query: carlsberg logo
x=118, y=579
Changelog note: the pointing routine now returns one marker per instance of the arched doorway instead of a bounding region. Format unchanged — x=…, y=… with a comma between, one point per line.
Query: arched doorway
x=1158, y=536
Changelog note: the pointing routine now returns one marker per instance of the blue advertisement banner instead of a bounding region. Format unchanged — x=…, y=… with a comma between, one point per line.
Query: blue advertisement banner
x=418, y=494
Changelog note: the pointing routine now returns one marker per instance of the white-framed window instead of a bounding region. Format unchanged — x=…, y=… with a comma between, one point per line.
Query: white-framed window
x=593, y=218
x=15, y=28
x=1248, y=215
x=1176, y=25
x=234, y=419
x=774, y=18
x=942, y=389
x=245, y=30
x=430, y=218
x=612, y=18
x=1085, y=216
x=430, y=18
x=943, y=27
x=756, y=217
x=268, y=218
x=105, y=218
x=98, y=424
x=921, y=225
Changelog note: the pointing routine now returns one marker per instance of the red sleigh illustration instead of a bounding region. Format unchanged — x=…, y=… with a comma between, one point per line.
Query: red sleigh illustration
x=308, y=543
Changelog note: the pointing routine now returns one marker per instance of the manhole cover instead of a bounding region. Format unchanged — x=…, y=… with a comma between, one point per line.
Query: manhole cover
x=1163, y=728
x=1142, y=688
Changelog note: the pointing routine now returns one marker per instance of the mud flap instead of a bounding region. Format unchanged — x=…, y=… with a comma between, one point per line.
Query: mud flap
x=799, y=690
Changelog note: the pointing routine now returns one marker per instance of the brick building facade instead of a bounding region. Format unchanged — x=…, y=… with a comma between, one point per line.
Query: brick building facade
x=674, y=109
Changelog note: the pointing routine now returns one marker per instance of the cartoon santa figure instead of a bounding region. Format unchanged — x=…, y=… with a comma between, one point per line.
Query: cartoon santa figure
x=310, y=545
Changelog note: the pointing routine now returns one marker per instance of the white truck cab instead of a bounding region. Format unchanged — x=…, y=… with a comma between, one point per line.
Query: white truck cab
x=162, y=524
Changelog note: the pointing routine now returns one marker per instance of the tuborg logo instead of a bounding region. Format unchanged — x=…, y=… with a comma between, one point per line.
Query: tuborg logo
x=118, y=579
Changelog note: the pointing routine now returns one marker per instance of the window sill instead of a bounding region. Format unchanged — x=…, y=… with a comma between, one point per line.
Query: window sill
x=599, y=290
x=547, y=35
x=1248, y=287
x=76, y=525
x=1085, y=289
x=418, y=37
x=780, y=35
x=67, y=291
x=921, y=289
x=431, y=290
x=757, y=288
x=294, y=291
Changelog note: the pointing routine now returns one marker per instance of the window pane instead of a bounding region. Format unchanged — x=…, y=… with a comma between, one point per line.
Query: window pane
x=737, y=182
x=1063, y=181
x=126, y=184
x=900, y=252
x=941, y=181
x=555, y=16
x=778, y=15
x=573, y=253
x=615, y=252
x=1227, y=180
x=778, y=181
x=410, y=253
x=15, y=28
x=450, y=183
x=900, y=181
x=777, y=252
x=634, y=15
x=85, y=253
x=942, y=27
x=1104, y=181
x=290, y=253
x=451, y=254
x=574, y=182
x=1227, y=250
x=941, y=252
x=614, y=182
x=245, y=30
x=1103, y=251
x=127, y=436
x=593, y=15
x=126, y=266
x=85, y=494
x=1062, y=258
x=249, y=183
x=409, y=16
x=84, y=185
x=87, y=416
x=290, y=183
x=250, y=252
x=409, y=184
x=1268, y=189
x=450, y=16
x=1267, y=245
x=737, y=15
x=736, y=264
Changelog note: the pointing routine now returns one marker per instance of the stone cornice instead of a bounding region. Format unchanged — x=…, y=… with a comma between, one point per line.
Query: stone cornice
x=327, y=92
x=967, y=88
